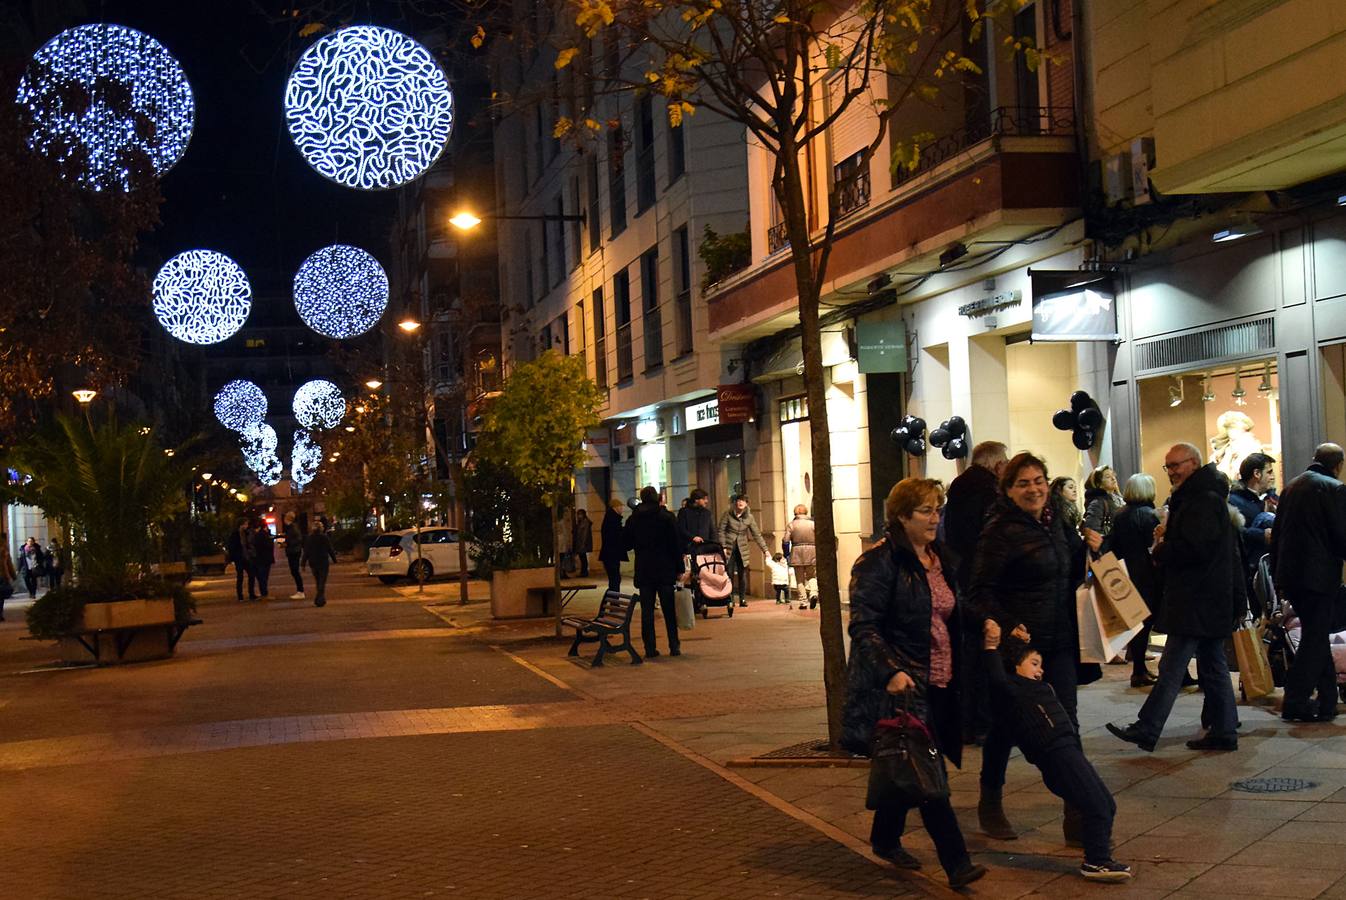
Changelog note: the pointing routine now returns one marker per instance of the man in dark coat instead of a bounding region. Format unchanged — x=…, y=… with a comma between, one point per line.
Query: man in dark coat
x=319, y=555
x=696, y=524
x=264, y=556
x=1308, y=546
x=239, y=550
x=1256, y=476
x=613, y=552
x=966, y=507
x=1197, y=553
x=653, y=534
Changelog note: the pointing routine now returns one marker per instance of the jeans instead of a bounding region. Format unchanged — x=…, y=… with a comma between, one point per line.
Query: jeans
x=1059, y=670
x=1212, y=672
x=1067, y=774
x=293, y=560
x=890, y=822
x=737, y=569
x=1139, y=646
x=320, y=576
x=1313, y=668
x=664, y=594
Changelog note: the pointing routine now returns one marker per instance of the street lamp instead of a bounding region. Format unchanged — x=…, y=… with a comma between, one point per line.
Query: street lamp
x=465, y=220
x=206, y=476
x=409, y=324
x=373, y=384
x=85, y=396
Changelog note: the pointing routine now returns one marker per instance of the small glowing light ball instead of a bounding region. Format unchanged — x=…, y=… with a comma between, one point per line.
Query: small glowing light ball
x=68, y=93
x=201, y=297
x=368, y=107
x=305, y=458
x=269, y=472
x=240, y=403
x=319, y=404
x=341, y=291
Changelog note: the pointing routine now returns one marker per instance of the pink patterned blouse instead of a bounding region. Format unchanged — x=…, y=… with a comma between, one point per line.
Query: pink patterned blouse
x=941, y=608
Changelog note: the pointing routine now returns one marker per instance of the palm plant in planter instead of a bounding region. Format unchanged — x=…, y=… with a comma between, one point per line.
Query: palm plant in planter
x=111, y=484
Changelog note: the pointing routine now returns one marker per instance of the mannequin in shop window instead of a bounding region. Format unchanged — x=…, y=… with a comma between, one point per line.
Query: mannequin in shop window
x=1234, y=443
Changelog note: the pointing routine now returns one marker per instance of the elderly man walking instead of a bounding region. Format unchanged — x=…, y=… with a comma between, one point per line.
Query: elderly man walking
x=1308, y=546
x=653, y=534
x=1197, y=552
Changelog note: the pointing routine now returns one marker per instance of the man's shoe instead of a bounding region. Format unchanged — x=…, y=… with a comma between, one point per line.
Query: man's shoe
x=1298, y=712
x=898, y=857
x=965, y=874
x=676, y=651
x=813, y=602
x=1131, y=734
x=1139, y=680
x=991, y=816
x=651, y=654
x=1325, y=714
x=321, y=601
x=1110, y=871
x=1213, y=742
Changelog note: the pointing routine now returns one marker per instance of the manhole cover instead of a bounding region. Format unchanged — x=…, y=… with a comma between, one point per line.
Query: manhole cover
x=1273, y=785
x=807, y=750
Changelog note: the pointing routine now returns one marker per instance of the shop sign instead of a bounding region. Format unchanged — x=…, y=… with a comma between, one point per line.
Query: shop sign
x=648, y=430
x=1073, y=306
x=703, y=414
x=737, y=403
x=994, y=303
x=881, y=346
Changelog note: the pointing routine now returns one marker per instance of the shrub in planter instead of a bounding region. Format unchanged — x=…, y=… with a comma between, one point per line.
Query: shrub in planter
x=59, y=612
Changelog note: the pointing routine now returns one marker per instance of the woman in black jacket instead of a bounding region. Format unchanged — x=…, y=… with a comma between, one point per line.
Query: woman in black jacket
x=1024, y=574
x=905, y=638
x=1131, y=538
x=613, y=552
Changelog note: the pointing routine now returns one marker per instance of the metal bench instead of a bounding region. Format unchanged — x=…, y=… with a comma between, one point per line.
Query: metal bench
x=613, y=618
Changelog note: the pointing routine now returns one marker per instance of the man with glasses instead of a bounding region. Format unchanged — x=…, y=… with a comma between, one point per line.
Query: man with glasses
x=1197, y=552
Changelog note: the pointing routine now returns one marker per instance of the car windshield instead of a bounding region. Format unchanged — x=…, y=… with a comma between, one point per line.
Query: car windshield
x=388, y=540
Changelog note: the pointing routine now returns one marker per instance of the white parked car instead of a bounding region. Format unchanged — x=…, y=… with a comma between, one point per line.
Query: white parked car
x=394, y=555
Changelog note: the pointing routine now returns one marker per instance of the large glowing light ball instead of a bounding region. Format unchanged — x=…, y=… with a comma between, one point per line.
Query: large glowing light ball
x=109, y=100
x=269, y=470
x=259, y=445
x=368, y=107
x=201, y=297
x=240, y=403
x=305, y=458
x=341, y=291
x=319, y=404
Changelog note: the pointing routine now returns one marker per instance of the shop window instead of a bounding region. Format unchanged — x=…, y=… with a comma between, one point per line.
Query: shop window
x=794, y=409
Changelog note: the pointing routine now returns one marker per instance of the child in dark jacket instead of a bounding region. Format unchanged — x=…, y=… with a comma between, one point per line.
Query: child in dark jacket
x=1044, y=733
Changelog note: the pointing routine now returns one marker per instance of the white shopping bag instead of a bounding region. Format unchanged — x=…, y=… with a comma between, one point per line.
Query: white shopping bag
x=682, y=604
x=1103, y=637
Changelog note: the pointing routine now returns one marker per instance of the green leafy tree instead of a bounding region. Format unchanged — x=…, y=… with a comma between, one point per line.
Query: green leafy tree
x=536, y=429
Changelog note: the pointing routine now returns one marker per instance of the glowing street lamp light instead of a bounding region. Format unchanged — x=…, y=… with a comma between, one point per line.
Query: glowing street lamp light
x=465, y=220
x=409, y=324
x=84, y=396
x=206, y=476
x=373, y=384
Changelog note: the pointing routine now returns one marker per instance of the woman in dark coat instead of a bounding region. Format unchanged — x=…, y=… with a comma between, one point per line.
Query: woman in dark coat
x=1027, y=564
x=1102, y=502
x=582, y=541
x=904, y=610
x=1131, y=538
x=613, y=552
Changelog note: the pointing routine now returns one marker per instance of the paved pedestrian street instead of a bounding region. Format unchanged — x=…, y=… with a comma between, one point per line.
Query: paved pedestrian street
x=397, y=744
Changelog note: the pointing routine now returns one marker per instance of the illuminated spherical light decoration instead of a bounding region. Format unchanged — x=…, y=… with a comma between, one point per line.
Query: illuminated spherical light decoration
x=259, y=445
x=240, y=403
x=368, y=107
x=341, y=291
x=270, y=470
x=201, y=297
x=65, y=91
x=319, y=404
x=305, y=458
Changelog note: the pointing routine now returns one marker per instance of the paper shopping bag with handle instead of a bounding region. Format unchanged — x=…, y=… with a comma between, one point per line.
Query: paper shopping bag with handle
x=1103, y=635
x=1117, y=589
x=1254, y=667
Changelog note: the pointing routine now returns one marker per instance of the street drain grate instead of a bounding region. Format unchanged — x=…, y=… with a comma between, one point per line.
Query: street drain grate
x=807, y=750
x=1273, y=785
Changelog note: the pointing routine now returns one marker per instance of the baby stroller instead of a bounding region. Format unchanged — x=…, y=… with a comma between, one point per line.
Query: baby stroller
x=711, y=585
x=1281, y=630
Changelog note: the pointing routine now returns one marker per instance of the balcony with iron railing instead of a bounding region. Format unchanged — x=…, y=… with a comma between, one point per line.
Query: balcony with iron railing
x=852, y=192
x=1004, y=121
x=777, y=237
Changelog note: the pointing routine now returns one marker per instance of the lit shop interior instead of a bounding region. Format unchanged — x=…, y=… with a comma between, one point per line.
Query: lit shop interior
x=1229, y=411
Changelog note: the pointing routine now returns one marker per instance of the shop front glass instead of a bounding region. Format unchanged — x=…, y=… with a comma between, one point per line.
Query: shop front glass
x=796, y=452
x=653, y=465
x=1229, y=411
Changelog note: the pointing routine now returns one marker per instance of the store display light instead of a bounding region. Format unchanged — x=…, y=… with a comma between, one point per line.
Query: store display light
x=201, y=297
x=1239, y=394
x=1265, y=388
x=368, y=107
x=1207, y=394
x=1176, y=391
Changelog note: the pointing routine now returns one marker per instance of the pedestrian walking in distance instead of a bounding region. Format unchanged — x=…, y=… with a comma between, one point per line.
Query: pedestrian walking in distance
x=294, y=552
x=239, y=550
x=55, y=563
x=1308, y=547
x=737, y=527
x=613, y=552
x=653, y=534
x=802, y=538
x=582, y=541
x=696, y=524
x=1029, y=560
x=904, y=614
x=1197, y=554
x=1027, y=707
x=31, y=563
x=7, y=573
x=264, y=557
x=319, y=556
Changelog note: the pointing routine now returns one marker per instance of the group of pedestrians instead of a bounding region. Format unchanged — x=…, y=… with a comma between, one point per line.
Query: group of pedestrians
x=34, y=562
x=251, y=548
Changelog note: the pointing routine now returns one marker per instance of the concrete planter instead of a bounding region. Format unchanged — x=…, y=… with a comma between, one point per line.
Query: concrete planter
x=145, y=632
x=522, y=593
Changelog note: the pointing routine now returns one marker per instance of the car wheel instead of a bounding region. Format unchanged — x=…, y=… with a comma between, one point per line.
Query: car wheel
x=388, y=579
x=421, y=570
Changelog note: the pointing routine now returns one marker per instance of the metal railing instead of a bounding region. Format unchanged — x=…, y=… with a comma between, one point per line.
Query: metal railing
x=852, y=192
x=777, y=236
x=1021, y=121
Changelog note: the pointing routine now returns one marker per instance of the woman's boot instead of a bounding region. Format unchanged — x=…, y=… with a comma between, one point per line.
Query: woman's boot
x=991, y=815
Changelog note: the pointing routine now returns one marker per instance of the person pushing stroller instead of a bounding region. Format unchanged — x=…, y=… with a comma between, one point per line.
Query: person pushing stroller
x=1029, y=709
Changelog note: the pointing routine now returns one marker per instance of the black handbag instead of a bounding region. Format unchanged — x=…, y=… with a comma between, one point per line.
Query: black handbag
x=905, y=767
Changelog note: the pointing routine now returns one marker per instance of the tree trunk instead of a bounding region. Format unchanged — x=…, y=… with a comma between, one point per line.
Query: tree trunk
x=807, y=283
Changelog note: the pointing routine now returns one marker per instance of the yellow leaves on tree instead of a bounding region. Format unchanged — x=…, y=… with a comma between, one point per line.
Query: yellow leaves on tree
x=593, y=15
x=312, y=28
x=478, y=38
x=565, y=56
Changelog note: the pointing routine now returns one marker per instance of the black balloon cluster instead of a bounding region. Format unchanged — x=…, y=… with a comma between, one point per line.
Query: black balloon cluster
x=1084, y=418
x=909, y=435
x=951, y=437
